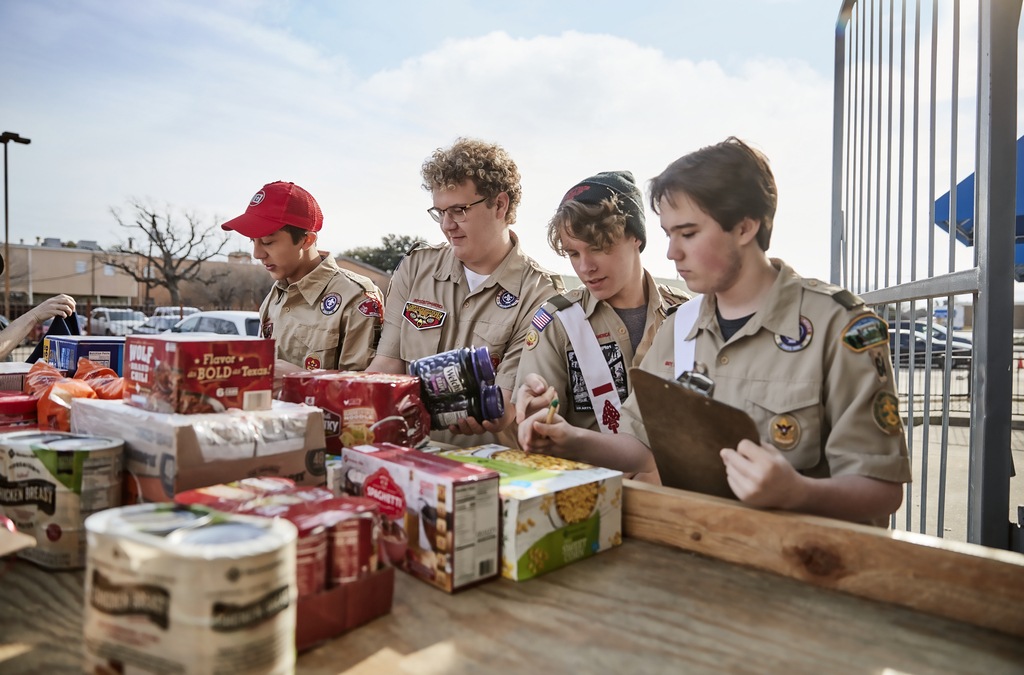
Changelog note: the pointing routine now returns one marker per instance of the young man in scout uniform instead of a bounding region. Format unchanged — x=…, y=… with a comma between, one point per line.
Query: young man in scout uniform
x=806, y=360
x=321, y=316
x=476, y=290
x=583, y=343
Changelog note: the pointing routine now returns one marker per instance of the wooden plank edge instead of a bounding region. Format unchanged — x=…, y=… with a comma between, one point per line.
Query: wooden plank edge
x=953, y=580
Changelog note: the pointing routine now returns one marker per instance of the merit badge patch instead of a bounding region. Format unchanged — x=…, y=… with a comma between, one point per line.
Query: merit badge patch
x=506, y=299
x=330, y=304
x=268, y=329
x=541, y=319
x=886, y=411
x=865, y=332
x=369, y=307
x=312, y=362
x=423, y=317
x=787, y=344
x=531, y=338
x=784, y=432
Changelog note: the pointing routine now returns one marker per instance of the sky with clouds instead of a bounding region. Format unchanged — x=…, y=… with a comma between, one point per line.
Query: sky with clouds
x=197, y=104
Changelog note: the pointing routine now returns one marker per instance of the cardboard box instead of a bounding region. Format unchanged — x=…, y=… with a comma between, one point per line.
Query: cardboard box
x=194, y=374
x=554, y=511
x=439, y=517
x=12, y=376
x=63, y=351
x=362, y=408
x=336, y=610
x=166, y=454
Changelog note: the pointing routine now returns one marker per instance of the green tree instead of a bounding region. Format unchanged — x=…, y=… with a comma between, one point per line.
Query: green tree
x=386, y=256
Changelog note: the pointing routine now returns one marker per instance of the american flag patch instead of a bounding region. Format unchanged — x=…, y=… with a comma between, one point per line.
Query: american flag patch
x=541, y=319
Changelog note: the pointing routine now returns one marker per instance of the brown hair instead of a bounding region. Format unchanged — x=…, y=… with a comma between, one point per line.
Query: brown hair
x=486, y=164
x=297, y=233
x=598, y=225
x=730, y=181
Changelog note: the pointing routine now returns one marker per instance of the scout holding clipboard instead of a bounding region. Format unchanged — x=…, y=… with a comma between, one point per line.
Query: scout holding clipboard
x=797, y=355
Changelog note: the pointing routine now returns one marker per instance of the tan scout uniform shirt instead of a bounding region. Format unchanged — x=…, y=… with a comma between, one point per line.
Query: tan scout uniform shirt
x=550, y=353
x=823, y=394
x=430, y=310
x=330, y=318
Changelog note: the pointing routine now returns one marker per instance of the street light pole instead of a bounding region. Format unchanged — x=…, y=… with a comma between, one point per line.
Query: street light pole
x=4, y=138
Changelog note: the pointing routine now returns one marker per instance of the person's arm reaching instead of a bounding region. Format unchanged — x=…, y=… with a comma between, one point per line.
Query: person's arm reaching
x=386, y=364
x=19, y=329
x=621, y=452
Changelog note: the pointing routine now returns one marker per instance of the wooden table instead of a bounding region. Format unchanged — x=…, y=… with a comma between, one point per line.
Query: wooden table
x=640, y=608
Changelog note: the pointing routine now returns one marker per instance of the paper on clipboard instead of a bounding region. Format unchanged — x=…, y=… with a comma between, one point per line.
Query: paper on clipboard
x=687, y=431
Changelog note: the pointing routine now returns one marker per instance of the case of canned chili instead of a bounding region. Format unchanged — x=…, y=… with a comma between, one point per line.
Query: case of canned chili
x=341, y=583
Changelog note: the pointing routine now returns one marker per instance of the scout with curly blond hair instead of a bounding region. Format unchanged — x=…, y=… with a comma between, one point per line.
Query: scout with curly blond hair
x=476, y=289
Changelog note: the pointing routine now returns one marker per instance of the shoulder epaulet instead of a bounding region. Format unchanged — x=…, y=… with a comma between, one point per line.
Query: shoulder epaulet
x=559, y=302
x=844, y=297
x=674, y=295
x=417, y=245
x=364, y=282
x=671, y=310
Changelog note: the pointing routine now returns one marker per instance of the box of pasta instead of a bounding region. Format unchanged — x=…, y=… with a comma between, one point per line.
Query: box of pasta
x=554, y=511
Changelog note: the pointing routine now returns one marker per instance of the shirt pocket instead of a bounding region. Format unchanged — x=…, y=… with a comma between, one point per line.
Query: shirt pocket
x=417, y=344
x=322, y=342
x=494, y=336
x=788, y=415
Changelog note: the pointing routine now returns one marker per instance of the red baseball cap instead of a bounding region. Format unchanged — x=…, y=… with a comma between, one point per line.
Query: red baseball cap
x=274, y=206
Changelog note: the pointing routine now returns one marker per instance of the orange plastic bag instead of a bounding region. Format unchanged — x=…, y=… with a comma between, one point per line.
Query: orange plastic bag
x=90, y=370
x=103, y=380
x=40, y=377
x=54, y=406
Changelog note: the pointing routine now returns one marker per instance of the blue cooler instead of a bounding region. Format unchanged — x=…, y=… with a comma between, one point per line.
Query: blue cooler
x=63, y=351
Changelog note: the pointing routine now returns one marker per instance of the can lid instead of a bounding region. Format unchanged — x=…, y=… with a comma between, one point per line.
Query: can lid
x=492, y=403
x=482, y=365
x=223, y=533
x=160, y=521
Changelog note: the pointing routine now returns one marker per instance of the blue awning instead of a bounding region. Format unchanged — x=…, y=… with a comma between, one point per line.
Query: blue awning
x=965, y=212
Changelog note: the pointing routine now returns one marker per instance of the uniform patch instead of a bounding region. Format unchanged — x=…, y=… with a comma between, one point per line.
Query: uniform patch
x=878, y=359
x=531, y=339
x=541, y=319
x=506, y=299
x=330, y=304
x=885, y=409
x=268, y=329
x=617, y=367
x=423, y=317
x=495, y=360
x=865, y=332
x=312, y=362
x=789, y=344
x=784, y=432
x=370, y=306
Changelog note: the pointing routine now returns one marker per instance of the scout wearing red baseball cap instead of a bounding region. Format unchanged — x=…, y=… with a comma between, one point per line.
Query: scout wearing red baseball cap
x=274, y=206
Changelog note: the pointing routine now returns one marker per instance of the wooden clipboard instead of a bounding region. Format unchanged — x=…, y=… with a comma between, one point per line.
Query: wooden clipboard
x=687, y=430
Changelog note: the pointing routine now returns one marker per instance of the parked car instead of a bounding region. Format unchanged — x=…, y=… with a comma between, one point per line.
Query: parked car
x=226, y=322
x=961, y=355
x=156, y=324
x=115, y=321
x=174, y=310
x=963, y=348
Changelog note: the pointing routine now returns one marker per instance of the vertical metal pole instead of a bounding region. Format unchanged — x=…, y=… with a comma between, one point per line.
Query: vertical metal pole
x=837, y=145
x=7, y=250
x=995, y=199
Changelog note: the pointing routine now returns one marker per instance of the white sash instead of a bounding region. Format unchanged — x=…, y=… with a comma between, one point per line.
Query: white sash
x=596, y=374
x=685, y=349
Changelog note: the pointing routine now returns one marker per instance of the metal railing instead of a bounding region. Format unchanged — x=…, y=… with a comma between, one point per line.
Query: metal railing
x=897, y=146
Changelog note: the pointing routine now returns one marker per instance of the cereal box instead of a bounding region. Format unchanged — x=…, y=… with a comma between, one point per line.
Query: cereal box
x=194, y=374
x=362, y=408
x=554, y=511
x=439, y=517
x=63, y=351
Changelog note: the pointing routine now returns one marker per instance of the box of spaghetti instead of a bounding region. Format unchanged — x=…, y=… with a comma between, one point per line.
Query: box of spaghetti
x=554, y=511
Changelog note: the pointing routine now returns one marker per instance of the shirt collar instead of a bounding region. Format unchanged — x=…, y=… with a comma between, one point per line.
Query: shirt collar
x=311, y=286
x=780, y=312
x=508, y=274
x=654, y=299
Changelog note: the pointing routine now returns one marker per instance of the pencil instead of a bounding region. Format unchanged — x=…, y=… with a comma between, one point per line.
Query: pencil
x=551, y=411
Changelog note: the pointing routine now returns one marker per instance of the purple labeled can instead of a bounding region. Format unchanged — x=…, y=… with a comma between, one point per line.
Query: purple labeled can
x=453, y=373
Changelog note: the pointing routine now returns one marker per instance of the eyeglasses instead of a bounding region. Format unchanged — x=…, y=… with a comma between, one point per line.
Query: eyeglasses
x=456, y=213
